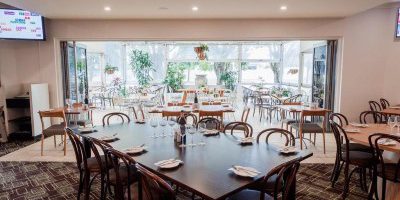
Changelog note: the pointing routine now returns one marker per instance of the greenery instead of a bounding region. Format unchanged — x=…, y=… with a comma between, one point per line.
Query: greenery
x=142, y=65
x=175, y=75
x=204, y=47
x=119, y=87
x=229, y=79
x=281, y=92
x=109, y=67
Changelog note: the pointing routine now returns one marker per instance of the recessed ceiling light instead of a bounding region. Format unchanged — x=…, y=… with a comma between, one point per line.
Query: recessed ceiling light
x=195, y=8
x=107, y=8
x=283, y=8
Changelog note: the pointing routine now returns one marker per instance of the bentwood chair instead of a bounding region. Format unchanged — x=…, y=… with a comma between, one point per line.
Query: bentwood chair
x=388, y=171
x=154, y=187
x=211, y=123
x=289, y=137
x=55, y=129
x=282, y=186
x=123, y=174
x=138, y=108
x=384, y=103
x=171, y=114
x=361, y=160
x=242, y=126
x=304, y=127
x=371, y=117
x=122, y=116
x=374, y=106
x=216, y=114
x=294, y=116
x=83, y=119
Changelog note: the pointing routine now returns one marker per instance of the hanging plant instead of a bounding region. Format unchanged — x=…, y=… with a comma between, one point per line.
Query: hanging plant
x=108, y=69
x=201, y=51
x=142, y=66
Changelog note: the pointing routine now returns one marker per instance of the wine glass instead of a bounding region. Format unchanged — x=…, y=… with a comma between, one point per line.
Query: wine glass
x=191, y=130
x=163, y=123
x=392, y=122
x=183, y=139
x=202, y=129
x=154, y=124
x=171, y=123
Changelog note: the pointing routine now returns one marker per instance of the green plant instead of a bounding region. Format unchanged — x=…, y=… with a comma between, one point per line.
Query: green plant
x=109, y=68
x=229, y=79
x=204, y=47
x=175, y=76
x=142, y=66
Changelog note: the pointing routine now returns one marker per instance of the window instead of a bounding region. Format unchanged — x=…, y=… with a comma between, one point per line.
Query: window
x=95, y=70
x=291, y=62
x=256, y=72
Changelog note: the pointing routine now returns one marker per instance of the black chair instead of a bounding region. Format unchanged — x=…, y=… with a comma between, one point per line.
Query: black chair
x=290, y=139
x=384, y=103
x=374, y=106
x=371, y=117
x=361, y=160
x=154, y=187
x=243, y=126
x=122, y=116
x=388, y=171
x=211, y=123
x=283, y=186
x=123, y=174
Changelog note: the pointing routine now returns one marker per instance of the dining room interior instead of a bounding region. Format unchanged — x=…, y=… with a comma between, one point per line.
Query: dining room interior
x=199, y=99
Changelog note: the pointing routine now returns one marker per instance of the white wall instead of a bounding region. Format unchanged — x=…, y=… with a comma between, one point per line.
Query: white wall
x=367, y=47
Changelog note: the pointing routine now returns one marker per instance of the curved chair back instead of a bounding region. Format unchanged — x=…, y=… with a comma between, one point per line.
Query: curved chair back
x=340, y=138
x=371, y=117
x=245, y=114
x=214, y=114
x=123, y=116
x=374, y=106
x=246, y=127
x=210, y=122
x=80, y=154
x=384, y=103
x=339, y=118
x=154, y=187
x=290, y=140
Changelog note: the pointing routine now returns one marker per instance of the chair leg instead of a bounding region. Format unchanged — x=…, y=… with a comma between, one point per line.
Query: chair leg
x=347, y=180
x=383, y=189
x=65, y=144
x=80, y=188
x=41, y=145
x=323, y=138
x=55, y=141
x=335, y=169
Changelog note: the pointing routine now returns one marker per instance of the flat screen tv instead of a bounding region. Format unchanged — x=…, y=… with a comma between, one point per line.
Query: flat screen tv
x=398, y=24
x=21, y=25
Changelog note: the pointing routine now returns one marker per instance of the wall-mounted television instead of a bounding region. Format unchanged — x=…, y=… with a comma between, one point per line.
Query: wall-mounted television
x=398, y=24
x=21, y=25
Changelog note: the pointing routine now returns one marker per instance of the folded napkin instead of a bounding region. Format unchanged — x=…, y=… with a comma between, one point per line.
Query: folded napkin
x=109, y=138
x=134, y=150
x=359, y=125
x=87, y=130
x=247, y=140
x=170, y=163
x=244, y=171
x=352, y=130
x=288, y=149
x=211, y=132
x=387, y=142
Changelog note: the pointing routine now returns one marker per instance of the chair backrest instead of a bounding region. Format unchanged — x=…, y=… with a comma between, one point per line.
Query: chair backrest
x=378, y=154
x=210, y=121
x=384, y=103
x=247, y=128
x=293, y=99
x=77, y=105
x=168, y=114
x=339, y=118
x=245, y=114
x=216, y=114
x=80, y=154
x=59, y=113
x=123, y=161
x=123, y=116
x=94, y=145
x=374, y=106
x=340, y=138
x=205, y=103
x=286, y=176
x=139, y=109
x=290, y=140
x=367, y=117
x=313, y=113
x=154, y=187
x=292, y=103
x=192, y=116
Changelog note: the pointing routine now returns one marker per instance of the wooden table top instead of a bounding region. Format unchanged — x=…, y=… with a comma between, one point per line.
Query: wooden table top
x=205, y=168
x=76, y=111
x=391, y=111
x=189, y=108
x=298, y=108
x=362, y=137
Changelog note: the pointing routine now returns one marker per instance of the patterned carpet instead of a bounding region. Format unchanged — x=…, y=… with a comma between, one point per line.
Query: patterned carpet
x=49, y=180
x=13, y=145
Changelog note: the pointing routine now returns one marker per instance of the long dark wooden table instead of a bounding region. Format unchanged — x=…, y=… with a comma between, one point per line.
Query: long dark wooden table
x=205, y=169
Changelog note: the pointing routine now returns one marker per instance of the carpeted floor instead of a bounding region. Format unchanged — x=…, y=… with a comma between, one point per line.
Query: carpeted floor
x=50, y=180
x=13, y=145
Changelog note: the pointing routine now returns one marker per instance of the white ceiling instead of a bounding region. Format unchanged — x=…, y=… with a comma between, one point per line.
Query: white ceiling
x=182, y=9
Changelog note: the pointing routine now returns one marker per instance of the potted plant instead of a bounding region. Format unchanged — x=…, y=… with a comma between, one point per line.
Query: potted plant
x=201, y=51
x=229, y=79
x=108, y=69
x=175, y=76
x=142, y=66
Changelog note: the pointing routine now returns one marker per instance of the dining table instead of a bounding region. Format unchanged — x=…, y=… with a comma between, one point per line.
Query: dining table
x=188, y=108
x=73, y=113
x=205, y=168
x=391, y=110
x=391, y=152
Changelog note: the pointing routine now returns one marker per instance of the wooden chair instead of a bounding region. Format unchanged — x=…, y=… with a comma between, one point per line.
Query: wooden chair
x=123, y=174
x=243, y=126
x=191, y=116
x=371, y=117
x=384, y=103
x=154, y=187
x=88, y=119
x=374, y=106
x=243, y=118
x=123, y=116
x=290, y=140
x=55, y=129
x=295, y=115
x=206, y=103
x=388, y=171
x=304, y=127
x=362, y=160
x=211, y=123
x=169, y=114
x=139, y=108
x=281, y=186
x=217, y=114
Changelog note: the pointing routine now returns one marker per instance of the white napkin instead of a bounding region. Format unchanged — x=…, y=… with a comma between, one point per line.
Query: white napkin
x=352, y=130
x=246, y=140
x=137, y=149
x=244, y=171
x=211, y=132
x=288, y=149
x=359, y=125
x=168, y=162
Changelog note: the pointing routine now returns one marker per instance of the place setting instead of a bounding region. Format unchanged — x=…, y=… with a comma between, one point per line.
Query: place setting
x=137, y=150
x=246, y=141
x=87, y=130
x=109, y=138
x=244, y=171
x=169, y=163
x=288, y=150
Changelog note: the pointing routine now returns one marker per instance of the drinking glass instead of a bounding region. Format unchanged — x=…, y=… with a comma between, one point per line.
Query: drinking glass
x=163, y=123
x=183, y=143
x=191, y=131
x=154, y=124
x=171, y=123
x=202, y=129
x=392, y=122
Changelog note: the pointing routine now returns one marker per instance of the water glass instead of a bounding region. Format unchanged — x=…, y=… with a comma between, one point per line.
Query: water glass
x=191, y=130
x=392, y=122
x=202, y=128
x=171, y=123
x=163, y=123
x=154, y=124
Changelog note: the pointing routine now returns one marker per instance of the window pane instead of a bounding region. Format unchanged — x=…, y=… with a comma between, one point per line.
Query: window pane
x=220, y=52
x=308, y=66
x=291, y=62
x=267, y=52
x=94, y=69
x=181, y=52
x=255, y=72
